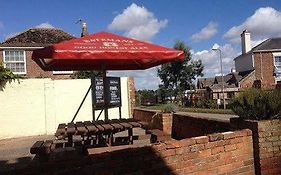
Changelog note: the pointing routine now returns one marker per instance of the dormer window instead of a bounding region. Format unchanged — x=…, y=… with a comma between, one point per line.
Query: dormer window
x=15, y=60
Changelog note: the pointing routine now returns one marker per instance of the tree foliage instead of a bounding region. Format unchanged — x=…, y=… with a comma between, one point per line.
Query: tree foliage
x=178, y=76
x=6, y=74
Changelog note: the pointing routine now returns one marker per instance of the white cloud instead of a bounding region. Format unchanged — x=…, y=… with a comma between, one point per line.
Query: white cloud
x=264, y=23
x=137, y=22
x=144, y=79
x=207, y=32
x=45, y=25
x=211, y=59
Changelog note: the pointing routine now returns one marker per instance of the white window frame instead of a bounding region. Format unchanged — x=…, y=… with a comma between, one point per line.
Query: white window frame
x=277, y=54
x=24, y=58
x=63, y=72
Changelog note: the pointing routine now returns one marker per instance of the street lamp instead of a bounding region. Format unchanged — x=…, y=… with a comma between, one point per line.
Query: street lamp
x=222, y=78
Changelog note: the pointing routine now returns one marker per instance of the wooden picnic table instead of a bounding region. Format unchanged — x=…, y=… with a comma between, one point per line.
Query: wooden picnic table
x=100, y=130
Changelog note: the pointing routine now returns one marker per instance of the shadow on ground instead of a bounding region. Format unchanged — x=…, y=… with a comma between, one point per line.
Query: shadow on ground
x=135, y=161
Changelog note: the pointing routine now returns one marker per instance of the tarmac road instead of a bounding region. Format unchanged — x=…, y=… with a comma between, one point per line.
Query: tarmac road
x=14, y=153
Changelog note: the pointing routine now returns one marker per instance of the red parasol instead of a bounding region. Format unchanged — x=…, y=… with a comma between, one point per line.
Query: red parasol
x=104, y=51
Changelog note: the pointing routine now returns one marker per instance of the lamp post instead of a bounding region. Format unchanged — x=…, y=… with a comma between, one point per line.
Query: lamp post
x=222, y=78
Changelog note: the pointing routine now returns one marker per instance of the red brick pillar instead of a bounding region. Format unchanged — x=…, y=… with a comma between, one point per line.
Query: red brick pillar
x=167, y=119
x=132, y=95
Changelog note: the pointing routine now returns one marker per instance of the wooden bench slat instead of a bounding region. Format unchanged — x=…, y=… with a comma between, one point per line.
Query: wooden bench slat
x=36, y=147
x=143, y=124
x=97, y=125
x=81, y=129
x=135, y=124
x=106, y=126
x=61, y=130
x=92, y=129
x=125, y=124
x=46, y=147
x=70, y=130
x=116, y=125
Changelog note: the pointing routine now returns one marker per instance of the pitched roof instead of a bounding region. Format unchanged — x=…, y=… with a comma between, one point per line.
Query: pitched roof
x=204, y=82
x=37, y=37
x=269, y=44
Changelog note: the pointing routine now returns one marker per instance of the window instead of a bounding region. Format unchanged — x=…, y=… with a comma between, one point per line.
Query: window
x=15, y=60
x=277, y=65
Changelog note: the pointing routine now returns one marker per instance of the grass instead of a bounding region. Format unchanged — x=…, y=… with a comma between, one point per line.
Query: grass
x=192, y=109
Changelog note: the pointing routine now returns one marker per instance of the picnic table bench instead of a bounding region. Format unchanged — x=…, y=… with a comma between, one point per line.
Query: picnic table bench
x=89, y=134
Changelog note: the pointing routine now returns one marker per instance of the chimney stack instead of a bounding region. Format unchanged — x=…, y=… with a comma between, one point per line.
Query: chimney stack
x=246, y=41
x=84, y=29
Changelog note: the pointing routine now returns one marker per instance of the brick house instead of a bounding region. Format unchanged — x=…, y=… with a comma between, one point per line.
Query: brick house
x=264, y=59
x=211, y=88
x=15, y=52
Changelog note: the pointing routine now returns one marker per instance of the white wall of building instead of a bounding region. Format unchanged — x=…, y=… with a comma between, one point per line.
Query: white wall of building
x=244, y=63
x=37, y=106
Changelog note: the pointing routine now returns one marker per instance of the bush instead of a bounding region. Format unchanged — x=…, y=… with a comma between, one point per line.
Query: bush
x=256, y=104
x=209, y=104
x=169, y=108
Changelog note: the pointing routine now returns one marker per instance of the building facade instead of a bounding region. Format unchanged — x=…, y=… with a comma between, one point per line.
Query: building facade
x=16, y=52
x=264, y=59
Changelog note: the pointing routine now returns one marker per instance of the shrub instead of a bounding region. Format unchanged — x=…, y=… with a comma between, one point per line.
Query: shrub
x=6, y=74
x=169, y=108
x=209, y=104
x=256, y=104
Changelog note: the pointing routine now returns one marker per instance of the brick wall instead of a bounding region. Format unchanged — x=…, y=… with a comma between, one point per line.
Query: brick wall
x=222, y=153
x=248, y=81
x=152, y=117
x=132, y=95
x=155, y=119
x=34, y=71
x=267, y=143
x=264, y=69
x=185, y=126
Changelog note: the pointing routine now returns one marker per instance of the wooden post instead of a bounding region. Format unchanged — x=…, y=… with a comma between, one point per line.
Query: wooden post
x=105, y=96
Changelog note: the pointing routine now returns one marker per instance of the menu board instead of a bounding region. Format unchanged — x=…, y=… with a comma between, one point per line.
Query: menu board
x=114, y=91
x=108, y=97
x=98, y=92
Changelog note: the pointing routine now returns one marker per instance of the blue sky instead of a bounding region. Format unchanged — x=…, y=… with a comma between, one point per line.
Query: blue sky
x=199, y=23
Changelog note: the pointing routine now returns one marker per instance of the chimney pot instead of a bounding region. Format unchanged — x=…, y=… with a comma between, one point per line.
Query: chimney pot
x=84, y=29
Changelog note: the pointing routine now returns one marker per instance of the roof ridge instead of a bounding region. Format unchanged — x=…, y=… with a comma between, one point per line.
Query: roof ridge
x=262, y=43
x=34, y=28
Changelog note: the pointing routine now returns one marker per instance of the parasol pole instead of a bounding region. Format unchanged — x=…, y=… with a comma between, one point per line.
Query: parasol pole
x=105, y=95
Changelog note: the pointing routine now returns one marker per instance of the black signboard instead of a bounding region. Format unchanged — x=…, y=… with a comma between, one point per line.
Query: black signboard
x=98, y=92
x=112, y=91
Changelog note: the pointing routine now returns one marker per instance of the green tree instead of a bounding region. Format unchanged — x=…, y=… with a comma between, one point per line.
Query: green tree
x=178, y=76
x=86, y=74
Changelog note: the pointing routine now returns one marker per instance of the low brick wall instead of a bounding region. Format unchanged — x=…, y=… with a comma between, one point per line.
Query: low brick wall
x=229, y=152
x=267, y=143
x=155, y=118
x=185, y=126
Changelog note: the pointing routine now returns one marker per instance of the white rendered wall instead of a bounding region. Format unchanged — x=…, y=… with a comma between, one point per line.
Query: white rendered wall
x=37, y=106
x=244, y=63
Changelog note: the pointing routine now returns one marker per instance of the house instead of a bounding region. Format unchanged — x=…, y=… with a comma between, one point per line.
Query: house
x=16, y=52
x=264, y=59
x=231, y=84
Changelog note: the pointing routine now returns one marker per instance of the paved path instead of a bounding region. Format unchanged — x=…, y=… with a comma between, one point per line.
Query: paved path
x=218, y=117
x=14, y=153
